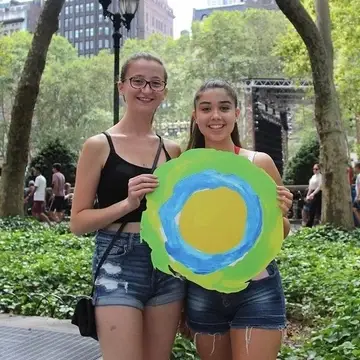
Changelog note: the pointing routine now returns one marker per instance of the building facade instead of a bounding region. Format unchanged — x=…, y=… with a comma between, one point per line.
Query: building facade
x=224, y=5
x=158, y=17
x=18, y=15
x=83, y=24
x=214, y=3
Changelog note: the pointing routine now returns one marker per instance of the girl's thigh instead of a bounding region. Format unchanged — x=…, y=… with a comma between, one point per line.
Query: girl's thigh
x=160, y=326
x=120, y=330
x=255, y=344
x=213, y=347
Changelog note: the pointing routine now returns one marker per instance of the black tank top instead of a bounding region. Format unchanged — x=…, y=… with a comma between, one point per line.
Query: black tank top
x=113, y=184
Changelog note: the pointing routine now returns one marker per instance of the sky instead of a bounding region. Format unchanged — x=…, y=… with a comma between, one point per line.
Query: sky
x=183, y=11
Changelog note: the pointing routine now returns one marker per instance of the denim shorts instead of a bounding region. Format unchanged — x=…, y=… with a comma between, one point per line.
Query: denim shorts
x=261, y=305
x=128, y=278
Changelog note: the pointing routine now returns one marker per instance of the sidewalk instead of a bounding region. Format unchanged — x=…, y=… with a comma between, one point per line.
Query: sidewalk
x=40, y=338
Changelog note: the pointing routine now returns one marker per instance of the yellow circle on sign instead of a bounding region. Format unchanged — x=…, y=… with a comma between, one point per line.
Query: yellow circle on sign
x=213, y=221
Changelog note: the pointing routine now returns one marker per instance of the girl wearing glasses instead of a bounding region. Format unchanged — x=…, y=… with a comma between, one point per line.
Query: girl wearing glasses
x=137, y=307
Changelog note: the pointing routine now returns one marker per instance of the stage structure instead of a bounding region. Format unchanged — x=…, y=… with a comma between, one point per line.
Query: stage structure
x=266, y=107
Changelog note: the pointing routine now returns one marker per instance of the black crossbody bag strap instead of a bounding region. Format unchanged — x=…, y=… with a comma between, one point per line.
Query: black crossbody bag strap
x=122, y=226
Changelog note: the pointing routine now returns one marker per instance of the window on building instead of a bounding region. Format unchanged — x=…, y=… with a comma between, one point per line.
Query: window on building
x=101, y=18
x=66, y=23
x=100, y=30
x=107, y=30
x=91, y=6
x=81, y=8
x=81, y=33
x=76, y=34
x=87, y=45
x=76, y=8
x=91, y=31
x=77, y=20
x=87, y=32
x=91, y=19
x=81, y=46
x=87, y=19
x=81, y=20
x=106, y=43
x=66, y=10
x=91, y=44
x=71, y=35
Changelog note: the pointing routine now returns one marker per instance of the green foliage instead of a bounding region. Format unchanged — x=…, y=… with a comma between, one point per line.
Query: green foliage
x=321, y=272
x=56, y=152
x=345, y=17
x=320, y=269
x=299, y=168
x=237, y=44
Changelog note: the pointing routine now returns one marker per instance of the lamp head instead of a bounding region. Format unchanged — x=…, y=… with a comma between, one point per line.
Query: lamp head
x=128, y=9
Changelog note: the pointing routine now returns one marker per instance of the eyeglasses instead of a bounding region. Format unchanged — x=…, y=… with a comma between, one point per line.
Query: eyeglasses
x=141, y=83
x=315, y=168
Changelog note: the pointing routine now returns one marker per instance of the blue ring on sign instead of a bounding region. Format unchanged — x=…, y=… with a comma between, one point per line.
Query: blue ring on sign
x=197, y=261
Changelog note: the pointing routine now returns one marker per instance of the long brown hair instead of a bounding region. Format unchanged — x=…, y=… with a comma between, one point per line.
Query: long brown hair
x=197, y=139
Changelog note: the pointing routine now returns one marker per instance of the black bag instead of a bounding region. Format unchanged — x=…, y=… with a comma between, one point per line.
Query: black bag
x=84, y=313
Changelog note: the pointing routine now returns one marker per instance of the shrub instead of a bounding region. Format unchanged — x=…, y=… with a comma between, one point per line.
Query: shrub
x=44, y=270
x=299, y=169
x=56, y=152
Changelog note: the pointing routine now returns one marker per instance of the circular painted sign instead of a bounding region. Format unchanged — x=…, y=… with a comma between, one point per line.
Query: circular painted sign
x=214, y=219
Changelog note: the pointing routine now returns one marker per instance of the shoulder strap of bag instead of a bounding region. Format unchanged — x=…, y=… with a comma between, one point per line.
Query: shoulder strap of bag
x=122, y=226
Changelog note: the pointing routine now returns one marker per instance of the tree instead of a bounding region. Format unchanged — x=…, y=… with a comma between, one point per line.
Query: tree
x=14, y=51
x=75, y=100
x=12, y=179
x=299, y=169
x=345, y=16
x=56, y=151
x=333, y=147
x=234, y=45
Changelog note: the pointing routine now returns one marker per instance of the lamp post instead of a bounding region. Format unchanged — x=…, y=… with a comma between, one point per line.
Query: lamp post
x=124, y=17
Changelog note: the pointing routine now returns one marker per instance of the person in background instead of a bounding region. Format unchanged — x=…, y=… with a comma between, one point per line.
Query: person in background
x=356, y=203
x=313, y=196
x=68, y=198
x=28, y=198
x=39, y=194
x=58, y=194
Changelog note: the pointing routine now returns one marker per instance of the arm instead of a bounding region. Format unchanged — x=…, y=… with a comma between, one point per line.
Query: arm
x=54, y=184
x=266, y=163
x=83, y=217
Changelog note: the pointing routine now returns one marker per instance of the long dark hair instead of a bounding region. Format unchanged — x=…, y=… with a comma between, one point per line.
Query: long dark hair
x=197, y=139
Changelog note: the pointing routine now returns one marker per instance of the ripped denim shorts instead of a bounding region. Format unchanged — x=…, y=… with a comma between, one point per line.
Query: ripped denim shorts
x=128, y=278
x=261, y=305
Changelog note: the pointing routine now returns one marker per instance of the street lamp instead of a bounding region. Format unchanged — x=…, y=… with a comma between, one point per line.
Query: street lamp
x=127, y=13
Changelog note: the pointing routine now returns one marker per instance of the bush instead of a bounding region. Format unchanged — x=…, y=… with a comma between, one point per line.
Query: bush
x=299, y=169
x=320, y=270
x=56, y=152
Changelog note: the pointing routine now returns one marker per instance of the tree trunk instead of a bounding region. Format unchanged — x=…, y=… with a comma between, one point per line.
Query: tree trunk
x=13, y=173
x=323, y=22
x=333, y=147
